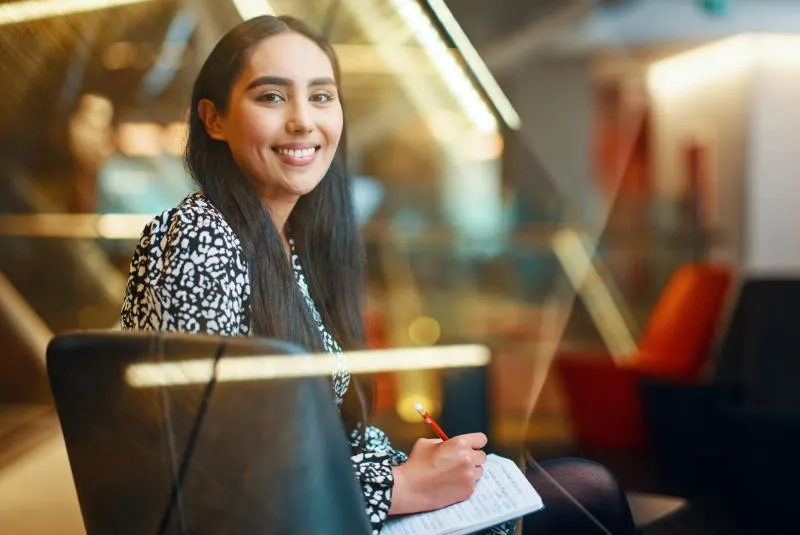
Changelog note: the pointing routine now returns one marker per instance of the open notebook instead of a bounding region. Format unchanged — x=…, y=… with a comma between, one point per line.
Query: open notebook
x=503, y=493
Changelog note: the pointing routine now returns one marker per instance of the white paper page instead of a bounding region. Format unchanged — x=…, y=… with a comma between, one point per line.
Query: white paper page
x=503, y=493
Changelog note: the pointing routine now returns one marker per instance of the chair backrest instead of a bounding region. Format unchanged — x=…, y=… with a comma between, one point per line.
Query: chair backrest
x=259, y=456
x=677, y=339
x=760, y=350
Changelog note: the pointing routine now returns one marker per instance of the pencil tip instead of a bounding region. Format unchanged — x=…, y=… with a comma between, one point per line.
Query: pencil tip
x=418, y=407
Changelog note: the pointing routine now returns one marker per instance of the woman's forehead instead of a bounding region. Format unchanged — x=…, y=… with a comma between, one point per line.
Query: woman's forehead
x=288, y=55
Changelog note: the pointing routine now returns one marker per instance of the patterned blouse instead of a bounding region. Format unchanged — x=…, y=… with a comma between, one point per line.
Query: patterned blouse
x=189, y=274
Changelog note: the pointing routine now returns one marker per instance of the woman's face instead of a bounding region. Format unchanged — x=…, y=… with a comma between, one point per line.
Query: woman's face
x=284, y=118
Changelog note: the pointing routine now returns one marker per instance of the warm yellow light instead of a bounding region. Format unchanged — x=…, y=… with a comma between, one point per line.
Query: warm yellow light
x=712, y=64
x=146, y=55
x=121, y=226
x=479, y=68
x=417, y=386
x=173, y=138
x=447, y=125
x=783, y=49
x=578, y=264
x=274, y=367
x=702, y=66
x=140, y=139
x=253, y=8
x=16, y=12
x=482, y=146
x=406, y=411
x=442, y=57
x=424, y=331
x=120, y=55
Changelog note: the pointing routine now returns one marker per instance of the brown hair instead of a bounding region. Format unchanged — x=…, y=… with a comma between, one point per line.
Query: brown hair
x=322, y=222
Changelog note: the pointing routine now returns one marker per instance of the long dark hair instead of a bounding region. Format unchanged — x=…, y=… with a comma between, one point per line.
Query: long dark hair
x=322, y=222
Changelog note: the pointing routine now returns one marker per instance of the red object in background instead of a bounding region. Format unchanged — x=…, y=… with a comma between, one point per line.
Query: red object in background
x=384, y=391
x=375, y=331
x=621, y=145
x=604, y=399
x=603, y=402
x=377, y=337
x=698, y=177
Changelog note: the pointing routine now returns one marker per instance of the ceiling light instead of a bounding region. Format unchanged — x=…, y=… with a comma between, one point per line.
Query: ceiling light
x=452, y=73
x=16, y=12
x=709, y=65
x=253, y=8
x=265, y=367
x=476, y=64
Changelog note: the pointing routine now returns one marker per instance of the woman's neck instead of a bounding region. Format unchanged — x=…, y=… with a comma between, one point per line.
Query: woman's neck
x=279, y=211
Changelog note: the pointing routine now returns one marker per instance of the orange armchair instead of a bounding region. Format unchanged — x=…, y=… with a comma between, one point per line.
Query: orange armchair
x=603, y=397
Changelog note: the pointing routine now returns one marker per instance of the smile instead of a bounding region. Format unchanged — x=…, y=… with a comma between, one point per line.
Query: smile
x=297, y=155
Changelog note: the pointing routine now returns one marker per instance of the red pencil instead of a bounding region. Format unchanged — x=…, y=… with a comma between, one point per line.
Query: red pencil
x=430, y=421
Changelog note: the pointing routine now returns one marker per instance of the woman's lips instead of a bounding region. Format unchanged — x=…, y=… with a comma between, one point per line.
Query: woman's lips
x=296, y=154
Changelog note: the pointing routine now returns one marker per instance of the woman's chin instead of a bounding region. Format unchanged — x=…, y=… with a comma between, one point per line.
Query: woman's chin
x=304, y=188
x=303, y=185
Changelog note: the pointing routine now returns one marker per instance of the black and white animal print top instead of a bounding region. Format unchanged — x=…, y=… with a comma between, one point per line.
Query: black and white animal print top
x=189, y=274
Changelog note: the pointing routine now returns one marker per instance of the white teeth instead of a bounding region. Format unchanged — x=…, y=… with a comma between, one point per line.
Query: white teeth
x=301, y=153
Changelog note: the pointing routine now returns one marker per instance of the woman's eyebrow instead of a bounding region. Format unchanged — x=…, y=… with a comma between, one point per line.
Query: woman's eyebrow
x=268, y=80
x=322, y=81
x=279, y=80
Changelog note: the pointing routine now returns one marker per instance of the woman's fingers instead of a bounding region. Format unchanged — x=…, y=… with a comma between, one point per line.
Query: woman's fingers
x=468, y=442
x=473, y=441
x=477, y=473
x=472, y=457
x=479, y=457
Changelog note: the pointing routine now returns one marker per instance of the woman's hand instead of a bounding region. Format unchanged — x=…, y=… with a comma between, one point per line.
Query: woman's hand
x=438, y=474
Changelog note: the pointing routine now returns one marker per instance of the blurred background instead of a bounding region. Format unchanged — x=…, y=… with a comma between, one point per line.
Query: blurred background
x=602, y=192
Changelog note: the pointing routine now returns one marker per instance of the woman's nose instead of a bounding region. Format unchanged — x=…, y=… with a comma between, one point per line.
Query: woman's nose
x=299, y=120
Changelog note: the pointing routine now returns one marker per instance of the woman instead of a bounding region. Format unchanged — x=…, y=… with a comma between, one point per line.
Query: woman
x=269, y=245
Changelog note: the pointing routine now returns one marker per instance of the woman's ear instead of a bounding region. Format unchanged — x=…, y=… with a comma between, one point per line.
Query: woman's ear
x=212, y=119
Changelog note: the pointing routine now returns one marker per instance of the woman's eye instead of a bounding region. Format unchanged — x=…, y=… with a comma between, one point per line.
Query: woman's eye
x=269, y=98
x=323, y=98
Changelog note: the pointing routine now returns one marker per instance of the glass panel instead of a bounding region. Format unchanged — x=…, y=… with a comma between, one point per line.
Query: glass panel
x=556, y=234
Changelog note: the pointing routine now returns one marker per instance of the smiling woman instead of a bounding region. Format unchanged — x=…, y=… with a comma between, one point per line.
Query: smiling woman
x=265, y=146
x=283, y=121
x=269, y=247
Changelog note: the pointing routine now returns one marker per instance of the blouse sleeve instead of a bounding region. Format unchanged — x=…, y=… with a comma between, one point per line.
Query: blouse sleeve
x=373, y=467
x=374, y=473
x=188, y=274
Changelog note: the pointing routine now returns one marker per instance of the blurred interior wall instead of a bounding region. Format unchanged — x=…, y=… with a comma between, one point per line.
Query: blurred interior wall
x=736, y=99
x=773, y=194
x=710, y=111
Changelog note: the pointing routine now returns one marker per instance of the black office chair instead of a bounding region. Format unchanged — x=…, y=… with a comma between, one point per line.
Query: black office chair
x=739, y=434
x=248, y=456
